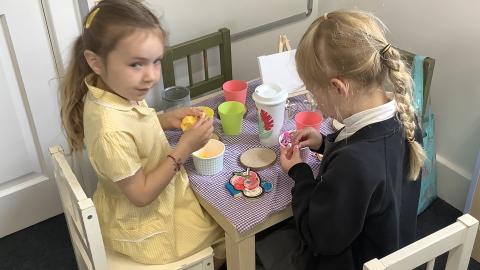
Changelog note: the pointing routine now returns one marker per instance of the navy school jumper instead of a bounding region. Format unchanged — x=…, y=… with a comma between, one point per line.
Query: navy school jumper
x=361, y=205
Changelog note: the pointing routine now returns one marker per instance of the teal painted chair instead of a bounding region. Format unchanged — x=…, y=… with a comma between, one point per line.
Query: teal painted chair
x=220, y=39
x=428, y=66
x=422, y=73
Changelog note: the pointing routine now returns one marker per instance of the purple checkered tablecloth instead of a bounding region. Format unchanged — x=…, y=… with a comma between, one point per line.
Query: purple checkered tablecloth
x=245, y=213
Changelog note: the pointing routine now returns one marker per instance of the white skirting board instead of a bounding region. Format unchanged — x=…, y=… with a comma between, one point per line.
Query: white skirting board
x=452, y=182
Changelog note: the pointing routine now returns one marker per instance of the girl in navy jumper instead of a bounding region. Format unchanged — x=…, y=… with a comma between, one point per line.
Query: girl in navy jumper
x=363, y=202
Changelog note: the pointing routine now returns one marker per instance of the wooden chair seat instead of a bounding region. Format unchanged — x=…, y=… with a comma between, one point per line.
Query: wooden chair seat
x=200, y=260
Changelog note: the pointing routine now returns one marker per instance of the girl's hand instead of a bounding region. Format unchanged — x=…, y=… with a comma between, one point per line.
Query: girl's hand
x=197, y=136
x=307, y=137
x=289, y=156
x=173, y=118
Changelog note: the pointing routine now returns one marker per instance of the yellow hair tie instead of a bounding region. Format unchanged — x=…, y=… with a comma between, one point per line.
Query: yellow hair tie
x=90, y=18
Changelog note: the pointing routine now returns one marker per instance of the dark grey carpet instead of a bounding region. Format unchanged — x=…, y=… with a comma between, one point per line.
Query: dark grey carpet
x=46, y=245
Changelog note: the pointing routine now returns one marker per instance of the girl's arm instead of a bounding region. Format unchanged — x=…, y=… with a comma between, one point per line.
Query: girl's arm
x=141, y=189
x=330, y=212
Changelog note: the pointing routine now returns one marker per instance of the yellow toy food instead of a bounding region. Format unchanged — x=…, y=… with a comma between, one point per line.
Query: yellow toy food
x=188, y=122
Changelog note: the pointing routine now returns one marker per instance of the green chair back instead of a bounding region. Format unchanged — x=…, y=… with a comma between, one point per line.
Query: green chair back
x=221, y=38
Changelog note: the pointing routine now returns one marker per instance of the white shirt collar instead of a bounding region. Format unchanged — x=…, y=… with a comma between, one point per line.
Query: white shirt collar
x=361, y=119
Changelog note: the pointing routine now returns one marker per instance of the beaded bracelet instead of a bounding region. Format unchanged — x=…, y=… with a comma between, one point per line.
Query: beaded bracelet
x=178, y=163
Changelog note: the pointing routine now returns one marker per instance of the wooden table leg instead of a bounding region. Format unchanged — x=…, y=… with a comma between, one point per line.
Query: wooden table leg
x=240, y=255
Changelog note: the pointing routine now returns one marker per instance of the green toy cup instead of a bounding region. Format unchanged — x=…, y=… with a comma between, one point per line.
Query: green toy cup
x=231, y=116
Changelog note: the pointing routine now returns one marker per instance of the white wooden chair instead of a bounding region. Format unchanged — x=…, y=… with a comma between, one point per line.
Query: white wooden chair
x=456, y=239
x=85, y=232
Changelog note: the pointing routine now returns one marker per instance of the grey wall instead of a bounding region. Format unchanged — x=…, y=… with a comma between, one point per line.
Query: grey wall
x=445, y=30
x=449, y=32
x=245, y=51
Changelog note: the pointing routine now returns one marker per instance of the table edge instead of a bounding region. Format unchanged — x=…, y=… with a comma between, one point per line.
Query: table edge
x=230, y=229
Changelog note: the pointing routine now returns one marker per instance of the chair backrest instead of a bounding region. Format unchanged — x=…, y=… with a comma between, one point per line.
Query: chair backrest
x=80, y=215
x=221, y=38
x=428, y=67
x=456, y=239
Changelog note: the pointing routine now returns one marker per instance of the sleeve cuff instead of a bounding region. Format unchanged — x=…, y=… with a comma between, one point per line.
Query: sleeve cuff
x=301, y=171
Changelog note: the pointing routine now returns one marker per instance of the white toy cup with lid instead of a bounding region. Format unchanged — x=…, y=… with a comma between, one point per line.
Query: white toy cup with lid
x=270, y=102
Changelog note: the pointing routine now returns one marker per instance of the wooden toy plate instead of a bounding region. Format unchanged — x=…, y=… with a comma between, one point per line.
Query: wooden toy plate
x=258, y=158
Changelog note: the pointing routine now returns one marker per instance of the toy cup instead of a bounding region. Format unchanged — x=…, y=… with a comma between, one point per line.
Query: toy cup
x=175, y=96
x=209, y=159
x=308, y=119
x=270, y=102
x=208, y=111
x=235, y=90
x=231, y=116
x=285, y=139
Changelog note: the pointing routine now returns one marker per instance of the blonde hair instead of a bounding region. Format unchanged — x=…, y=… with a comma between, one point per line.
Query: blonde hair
x=351, y=44
x=106, y=24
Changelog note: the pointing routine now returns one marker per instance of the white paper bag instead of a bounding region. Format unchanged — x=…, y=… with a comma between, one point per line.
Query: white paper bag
x=280, y=69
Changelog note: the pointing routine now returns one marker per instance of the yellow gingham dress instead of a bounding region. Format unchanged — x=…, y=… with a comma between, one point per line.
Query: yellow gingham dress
x=121, y=139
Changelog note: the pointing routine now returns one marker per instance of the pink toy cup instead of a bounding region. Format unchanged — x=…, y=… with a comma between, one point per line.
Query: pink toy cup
x=235, y=90
x=308, y=119
x=285, y=140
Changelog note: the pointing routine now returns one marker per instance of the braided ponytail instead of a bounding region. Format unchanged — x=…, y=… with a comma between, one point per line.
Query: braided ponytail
x=402, y=82
x=352, y=44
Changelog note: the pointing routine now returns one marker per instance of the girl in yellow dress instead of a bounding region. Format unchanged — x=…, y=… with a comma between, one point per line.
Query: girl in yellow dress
x=146, y=207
